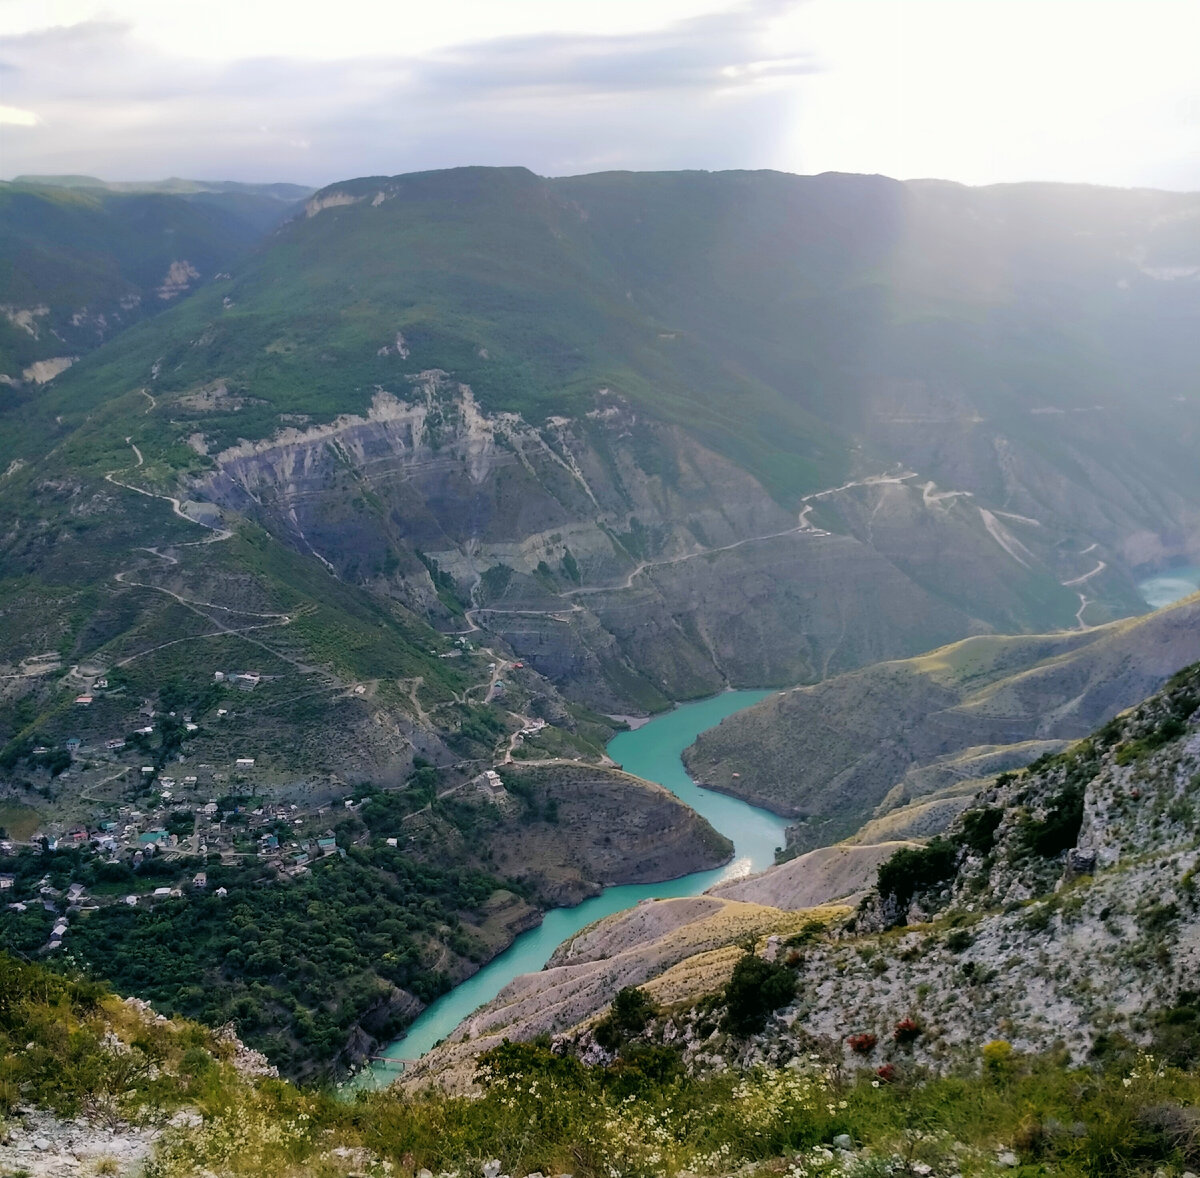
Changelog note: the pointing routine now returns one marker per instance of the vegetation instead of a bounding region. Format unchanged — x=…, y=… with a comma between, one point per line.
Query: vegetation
x=756, y=989
x=916, y=869
x=294, y=964
x=69, y=1045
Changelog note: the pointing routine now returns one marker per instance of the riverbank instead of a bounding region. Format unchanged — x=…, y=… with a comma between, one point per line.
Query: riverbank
x=652, y=752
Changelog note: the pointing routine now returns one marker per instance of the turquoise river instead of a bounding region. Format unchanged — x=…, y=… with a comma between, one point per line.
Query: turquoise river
x=651, y=751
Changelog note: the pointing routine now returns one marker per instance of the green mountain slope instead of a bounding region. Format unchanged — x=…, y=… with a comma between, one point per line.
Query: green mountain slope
x=874, y=740
x=663, y=433
x=79, y=262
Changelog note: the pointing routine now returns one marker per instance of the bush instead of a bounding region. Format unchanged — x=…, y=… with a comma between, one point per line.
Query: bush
x=862, y=1043
x=979, y=828
x=907, y=1031
x=756, y=988
x=916, y=869
x=631, y=1010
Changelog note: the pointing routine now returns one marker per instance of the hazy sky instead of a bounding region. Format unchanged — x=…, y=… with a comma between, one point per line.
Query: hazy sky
x=1106, y=91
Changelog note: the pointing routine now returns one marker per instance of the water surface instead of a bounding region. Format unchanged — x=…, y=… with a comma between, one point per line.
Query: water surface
x=651, y=751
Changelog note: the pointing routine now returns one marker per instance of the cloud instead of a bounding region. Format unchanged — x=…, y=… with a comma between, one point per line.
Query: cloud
x=557, y=102
x=14, y=116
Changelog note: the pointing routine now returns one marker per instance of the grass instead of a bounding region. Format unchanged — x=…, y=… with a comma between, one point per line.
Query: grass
x=640, y=1116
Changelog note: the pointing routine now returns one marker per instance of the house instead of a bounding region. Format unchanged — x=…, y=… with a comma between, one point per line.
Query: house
x=152, y=837
x=166, y=782
x=75, y=893
x=73, y=744
x=147, y=769
x=269, y=842
x=393, y=842
x=83, y=700
x=327, y=845
x=191, y=779
x=59, y=930
x=131, y=901
x=221, y=893
x=218, y=676
x=209, y=807
x=489, y=784
x=115, y=745
x=7, y=881
x=245, y=762
x=190, y=727
x=161, y=892
x=100, y=685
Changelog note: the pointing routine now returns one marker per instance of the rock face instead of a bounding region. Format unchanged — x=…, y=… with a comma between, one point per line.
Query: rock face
x=872, y=741
x=607, y=828
x=624, y=560
x=40, y=1145
x=1032, y=947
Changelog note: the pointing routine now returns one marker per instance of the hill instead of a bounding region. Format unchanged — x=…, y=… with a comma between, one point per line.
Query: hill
x=663, y=433
x=1057, y=912
x=898, y=736
x=80, y=259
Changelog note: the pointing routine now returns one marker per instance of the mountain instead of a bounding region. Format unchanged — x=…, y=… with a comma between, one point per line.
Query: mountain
x=449, y=474
x=908, y=740
x=288, y=193
x=663, y=433
x=81, y=259
x=1022, y=988
x=1057, y=913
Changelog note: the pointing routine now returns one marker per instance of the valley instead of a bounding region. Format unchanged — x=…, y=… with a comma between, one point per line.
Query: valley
x=334, y=584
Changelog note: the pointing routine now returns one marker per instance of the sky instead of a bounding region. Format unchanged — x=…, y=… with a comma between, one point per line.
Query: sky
x=979, y=91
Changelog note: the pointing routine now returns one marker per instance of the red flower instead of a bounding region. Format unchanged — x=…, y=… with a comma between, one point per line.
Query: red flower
x=862, y=1044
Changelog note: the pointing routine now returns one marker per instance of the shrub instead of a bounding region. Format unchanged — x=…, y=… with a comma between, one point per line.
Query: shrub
x=907, y=1031
x=958, y=940
x=862, y=1043
x=915, y=869
x=1058, y=831
x=631, y=1010
x=756, y=988
x=997, y=1055
x=979, y=828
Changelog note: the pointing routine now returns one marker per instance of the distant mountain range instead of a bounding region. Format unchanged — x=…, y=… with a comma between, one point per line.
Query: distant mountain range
x=655, y=433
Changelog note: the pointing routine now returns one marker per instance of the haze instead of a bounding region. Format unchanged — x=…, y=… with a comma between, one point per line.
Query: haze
x=980, y=92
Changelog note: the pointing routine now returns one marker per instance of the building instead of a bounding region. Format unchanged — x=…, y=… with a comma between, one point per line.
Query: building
x=7, y=881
